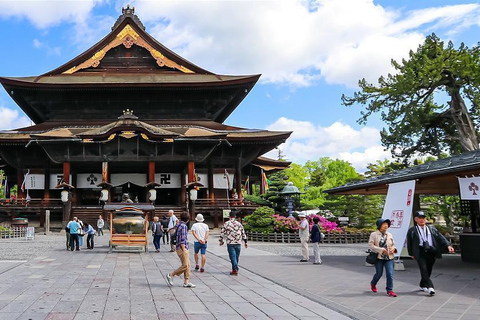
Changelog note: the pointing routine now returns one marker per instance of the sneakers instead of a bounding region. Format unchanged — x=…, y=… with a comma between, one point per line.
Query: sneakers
x=391, y=294
x=234, y=273
x=373, y=287
x=303, y=260
x=317, y=263
x=431, y=291
x=202, y=270
x=424, y=289
x=189, y=285
x=169, y=279
x=197, y=267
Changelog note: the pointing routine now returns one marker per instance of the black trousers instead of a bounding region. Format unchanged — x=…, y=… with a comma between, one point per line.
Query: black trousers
x=425, y=263
x=74, y=241
x=90, y=241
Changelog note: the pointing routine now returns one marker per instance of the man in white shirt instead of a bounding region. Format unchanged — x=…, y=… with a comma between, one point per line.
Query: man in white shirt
x=100, y=225
x=304, y=234
x=201, y=232
x=172, y=227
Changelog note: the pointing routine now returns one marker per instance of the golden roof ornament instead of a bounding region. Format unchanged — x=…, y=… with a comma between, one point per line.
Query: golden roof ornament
x=127, y=114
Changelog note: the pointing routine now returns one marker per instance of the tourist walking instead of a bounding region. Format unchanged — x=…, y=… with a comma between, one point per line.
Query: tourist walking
x=425, y=244
x=157, y=233
x=165, y=221
x=74, y=228
x=304, y=234
x=172, y=227
x=183, y=253
x=200, y=232
x=100, y=225
x=233, y=233
x=316, y=238
x=90, y=232
x=382, y=243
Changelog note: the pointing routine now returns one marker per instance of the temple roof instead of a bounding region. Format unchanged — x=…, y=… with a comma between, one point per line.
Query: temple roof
x=101, y=131
x=435, y=177
x=128, y=62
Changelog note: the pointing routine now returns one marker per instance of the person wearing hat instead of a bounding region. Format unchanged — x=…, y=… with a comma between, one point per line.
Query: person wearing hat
x=304, y=234
x=200, y=231
x=233, y=233
x=425, y=244
x=382, y=243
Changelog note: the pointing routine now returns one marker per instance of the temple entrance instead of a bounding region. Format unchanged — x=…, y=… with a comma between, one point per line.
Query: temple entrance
x=168, y=197
x=137, y=193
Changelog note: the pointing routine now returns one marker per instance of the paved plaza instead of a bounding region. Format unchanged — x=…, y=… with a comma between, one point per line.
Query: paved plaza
x=48, y=282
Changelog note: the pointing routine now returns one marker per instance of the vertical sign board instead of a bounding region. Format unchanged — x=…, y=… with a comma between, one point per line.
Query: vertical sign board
x=398, y=208
x=30, y=234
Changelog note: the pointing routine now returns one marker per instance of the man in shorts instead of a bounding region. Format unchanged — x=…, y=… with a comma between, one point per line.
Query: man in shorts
x=200, y=231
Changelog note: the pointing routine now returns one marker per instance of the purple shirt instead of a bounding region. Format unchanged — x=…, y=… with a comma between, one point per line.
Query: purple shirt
x=182, y=233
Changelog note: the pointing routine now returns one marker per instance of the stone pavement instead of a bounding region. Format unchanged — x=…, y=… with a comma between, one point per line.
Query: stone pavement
x=93, y=284
x=272, y=284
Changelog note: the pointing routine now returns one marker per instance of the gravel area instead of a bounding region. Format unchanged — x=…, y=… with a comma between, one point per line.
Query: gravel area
x=294, y=249
x=21, y=249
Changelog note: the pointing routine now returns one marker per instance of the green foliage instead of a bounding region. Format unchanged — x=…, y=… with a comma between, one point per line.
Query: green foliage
x=256, y=199
x=408, y=100
x=261, y=220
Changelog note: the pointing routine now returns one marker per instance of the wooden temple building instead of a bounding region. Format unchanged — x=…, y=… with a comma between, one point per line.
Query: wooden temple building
x=128, y=116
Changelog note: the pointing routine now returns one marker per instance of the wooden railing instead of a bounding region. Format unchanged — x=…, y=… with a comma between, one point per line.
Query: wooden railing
x=330, y=237
x=33, y=202
x=224, y=203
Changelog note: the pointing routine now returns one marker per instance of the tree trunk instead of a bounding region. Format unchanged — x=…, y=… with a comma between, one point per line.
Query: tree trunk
x=463, y=122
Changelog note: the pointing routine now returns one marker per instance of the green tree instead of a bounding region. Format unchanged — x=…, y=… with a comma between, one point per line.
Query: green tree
x=382, y=167
x=261, y=220
x=408, y=100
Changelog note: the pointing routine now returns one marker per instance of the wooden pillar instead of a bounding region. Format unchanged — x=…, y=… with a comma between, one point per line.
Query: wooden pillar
x=67, y=207
x=215, y=223
x=191, y=171
x=238, y=181
x=66, y=172
x=151, y=171
x=105, y=171
x=183, y=194
x=211, y=192
x=20, y=176
x=46, y=191
x=262, y=185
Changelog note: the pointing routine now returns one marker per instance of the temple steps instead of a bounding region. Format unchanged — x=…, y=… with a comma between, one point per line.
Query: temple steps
x=88, y=215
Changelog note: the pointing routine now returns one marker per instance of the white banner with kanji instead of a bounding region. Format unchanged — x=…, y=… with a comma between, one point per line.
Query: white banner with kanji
x=469, y=188
x=398, y=208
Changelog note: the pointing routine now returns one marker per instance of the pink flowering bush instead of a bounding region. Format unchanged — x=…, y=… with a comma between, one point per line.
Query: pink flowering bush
x=285, y=224
x=290, y=224
x=324, y=223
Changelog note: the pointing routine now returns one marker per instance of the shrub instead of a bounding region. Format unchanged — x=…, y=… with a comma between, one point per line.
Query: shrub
x=285, y=224
x=261, y=220
x=325, y=224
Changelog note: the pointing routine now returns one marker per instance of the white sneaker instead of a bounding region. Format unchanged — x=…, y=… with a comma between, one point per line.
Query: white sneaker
x=189, y=285
x=169, y=279
x=424, y=289
x=431, y=291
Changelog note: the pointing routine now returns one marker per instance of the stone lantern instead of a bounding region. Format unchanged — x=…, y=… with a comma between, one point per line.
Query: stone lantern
x=289, y=193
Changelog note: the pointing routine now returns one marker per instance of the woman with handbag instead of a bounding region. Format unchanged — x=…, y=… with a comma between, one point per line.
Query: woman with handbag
x=382, y=243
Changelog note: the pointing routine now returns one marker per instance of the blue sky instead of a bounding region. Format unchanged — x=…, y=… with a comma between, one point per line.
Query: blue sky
x=308, y=52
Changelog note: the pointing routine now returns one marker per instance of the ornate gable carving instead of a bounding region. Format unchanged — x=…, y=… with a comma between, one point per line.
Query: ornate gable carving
x=128, y=37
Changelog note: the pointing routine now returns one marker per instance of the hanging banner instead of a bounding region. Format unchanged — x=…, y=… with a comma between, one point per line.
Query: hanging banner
x=469, y=188
x=88, y=180
x=56, y=179
x=35, y=182
x=398, y=208
x=220, y=181
x=168, y=180
x=202, y=178
x=118, y=179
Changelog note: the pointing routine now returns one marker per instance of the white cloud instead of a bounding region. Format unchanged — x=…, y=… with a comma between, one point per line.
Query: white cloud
x=44, y=14
x=338, y=141
x=12, y=120
x=296, y=42
x=57, y=51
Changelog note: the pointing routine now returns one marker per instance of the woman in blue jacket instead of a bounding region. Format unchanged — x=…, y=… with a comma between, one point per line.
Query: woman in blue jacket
x=316, y=238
